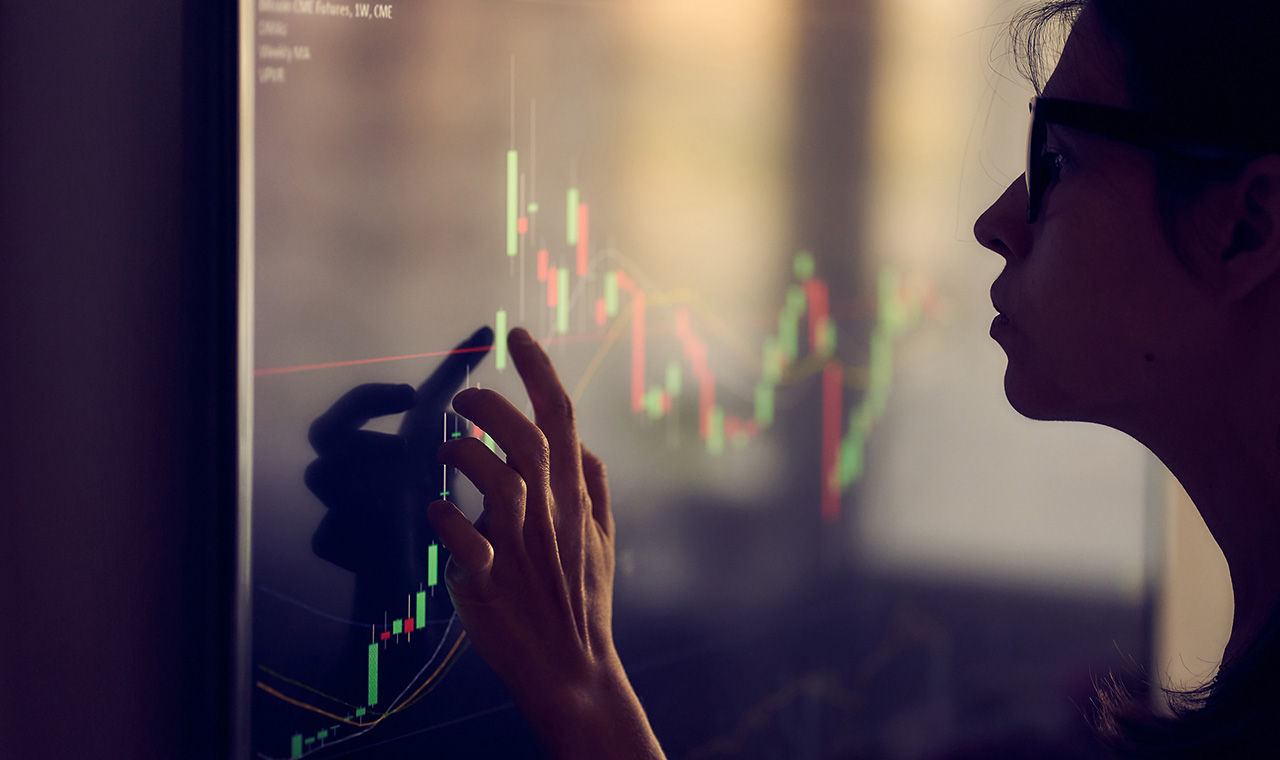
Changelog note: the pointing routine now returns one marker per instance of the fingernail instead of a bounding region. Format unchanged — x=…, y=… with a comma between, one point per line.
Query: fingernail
x=520, y=335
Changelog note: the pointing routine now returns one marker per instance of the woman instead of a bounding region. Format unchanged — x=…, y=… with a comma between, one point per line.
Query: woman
x=1140, y=292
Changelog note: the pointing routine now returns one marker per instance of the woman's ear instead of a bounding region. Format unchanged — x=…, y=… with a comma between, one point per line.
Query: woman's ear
x=1249, y=255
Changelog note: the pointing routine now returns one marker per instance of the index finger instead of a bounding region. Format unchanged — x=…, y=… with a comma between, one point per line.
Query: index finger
x=552, y=412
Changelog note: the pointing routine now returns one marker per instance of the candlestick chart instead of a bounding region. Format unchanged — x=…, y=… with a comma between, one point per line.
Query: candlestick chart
x=384, y=232
x=574, y=293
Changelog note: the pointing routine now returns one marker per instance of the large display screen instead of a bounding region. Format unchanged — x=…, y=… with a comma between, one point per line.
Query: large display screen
x=686, y=204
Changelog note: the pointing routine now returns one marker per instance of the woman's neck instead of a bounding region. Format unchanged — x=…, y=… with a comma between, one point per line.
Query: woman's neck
x=1225, y=451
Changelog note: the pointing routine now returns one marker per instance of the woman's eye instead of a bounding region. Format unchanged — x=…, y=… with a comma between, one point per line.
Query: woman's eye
x=1054, y=162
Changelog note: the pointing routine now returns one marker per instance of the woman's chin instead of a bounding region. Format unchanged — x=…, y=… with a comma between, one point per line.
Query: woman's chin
x=1036, y=398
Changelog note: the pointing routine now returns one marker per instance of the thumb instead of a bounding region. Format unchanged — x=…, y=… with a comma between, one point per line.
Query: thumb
x=469, y=551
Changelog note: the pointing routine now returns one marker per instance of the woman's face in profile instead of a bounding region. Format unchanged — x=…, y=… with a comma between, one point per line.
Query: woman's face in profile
x=1103, y=321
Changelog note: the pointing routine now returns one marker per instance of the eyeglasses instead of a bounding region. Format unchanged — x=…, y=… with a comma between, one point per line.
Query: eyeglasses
x=1134, y=127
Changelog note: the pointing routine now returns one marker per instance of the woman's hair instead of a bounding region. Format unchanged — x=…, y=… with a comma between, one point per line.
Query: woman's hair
x=1213, y=67
x=1237, y=714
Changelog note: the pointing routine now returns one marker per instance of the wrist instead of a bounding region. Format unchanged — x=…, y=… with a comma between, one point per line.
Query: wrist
x=571, y=694
x=594, y=715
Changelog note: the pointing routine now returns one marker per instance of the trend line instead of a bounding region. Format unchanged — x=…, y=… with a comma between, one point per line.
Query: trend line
x=314, y=709
x=425, y=729
x=321, y=613
x=382, y=716
x=312, y=689
x=266, y=372
x=271, y=371
x=594, y=365
x=442, y=671
x=399, y=704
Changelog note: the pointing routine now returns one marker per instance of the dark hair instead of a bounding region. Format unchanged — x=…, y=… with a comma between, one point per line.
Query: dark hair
x=1214, y=68
x=1237, y=714
x=1210, y=67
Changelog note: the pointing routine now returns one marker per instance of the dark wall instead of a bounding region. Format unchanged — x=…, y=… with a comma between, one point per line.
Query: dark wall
x=110, y=452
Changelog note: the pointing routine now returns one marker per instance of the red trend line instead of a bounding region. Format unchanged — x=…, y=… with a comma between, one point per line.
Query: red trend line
x=832, y=397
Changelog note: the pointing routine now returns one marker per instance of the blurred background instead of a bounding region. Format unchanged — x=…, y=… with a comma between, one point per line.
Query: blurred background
x=849, y=546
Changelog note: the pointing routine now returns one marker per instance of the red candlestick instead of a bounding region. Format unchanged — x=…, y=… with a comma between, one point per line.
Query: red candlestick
x=706, y=400
x=819, y=310
x=637, y=351
x=582, y=239
x=832, y=397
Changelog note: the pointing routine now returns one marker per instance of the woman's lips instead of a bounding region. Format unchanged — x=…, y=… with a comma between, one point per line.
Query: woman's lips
x=999, y=294
x=1001, y=324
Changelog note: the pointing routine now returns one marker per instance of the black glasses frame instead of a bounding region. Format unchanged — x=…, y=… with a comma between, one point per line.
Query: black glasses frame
x=1134, y=127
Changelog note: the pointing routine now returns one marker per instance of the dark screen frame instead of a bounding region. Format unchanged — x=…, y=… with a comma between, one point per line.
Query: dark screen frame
x=212, y=271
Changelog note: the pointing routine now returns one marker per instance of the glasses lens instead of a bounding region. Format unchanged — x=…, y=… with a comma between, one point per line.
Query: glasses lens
x=1034, y=169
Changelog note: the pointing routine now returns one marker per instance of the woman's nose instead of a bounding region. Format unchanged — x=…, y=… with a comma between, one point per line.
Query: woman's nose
x=1003, y=226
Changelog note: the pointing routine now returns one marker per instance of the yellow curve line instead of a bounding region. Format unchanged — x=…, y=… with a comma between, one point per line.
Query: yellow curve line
x=601, y=353
x=717, y=324
x=311, y=689
x=854, y=377
x=457, y=642
x=313, y=708
x=446, y=672
x=383, y=716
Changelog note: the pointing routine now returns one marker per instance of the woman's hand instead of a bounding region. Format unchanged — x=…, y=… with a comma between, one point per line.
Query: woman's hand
x=532, y=580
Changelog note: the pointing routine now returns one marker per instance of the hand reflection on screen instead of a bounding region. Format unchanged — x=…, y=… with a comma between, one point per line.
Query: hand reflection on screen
x=377, y=485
